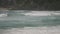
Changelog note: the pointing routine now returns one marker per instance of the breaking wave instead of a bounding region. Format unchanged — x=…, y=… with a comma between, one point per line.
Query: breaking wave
x=17, y=19
x=3, y=15
x=17, y=24
x=38, y=13
x=32, y=30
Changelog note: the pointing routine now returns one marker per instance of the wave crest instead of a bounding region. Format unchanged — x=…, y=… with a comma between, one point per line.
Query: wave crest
x=37, y=13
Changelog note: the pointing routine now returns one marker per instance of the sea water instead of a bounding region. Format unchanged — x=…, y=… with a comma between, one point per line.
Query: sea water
x=29, y=22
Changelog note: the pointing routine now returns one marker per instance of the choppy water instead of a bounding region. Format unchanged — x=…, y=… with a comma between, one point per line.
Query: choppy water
x=21, y=19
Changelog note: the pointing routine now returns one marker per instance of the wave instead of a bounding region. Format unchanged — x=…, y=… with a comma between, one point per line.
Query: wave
x=32, y=30
x=28, y=13
x=3, y=15
x=38, y=13
x=55, y=13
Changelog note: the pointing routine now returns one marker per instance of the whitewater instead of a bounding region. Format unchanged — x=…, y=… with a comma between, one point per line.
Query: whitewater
x=29, y=22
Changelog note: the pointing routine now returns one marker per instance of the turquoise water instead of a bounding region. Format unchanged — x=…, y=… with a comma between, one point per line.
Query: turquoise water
x=16, y=19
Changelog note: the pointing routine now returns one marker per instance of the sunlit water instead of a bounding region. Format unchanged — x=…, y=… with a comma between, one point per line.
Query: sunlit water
x=29, y=22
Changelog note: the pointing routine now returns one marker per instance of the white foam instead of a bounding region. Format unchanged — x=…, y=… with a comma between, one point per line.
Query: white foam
x=33, y=30
x=3, y=15
x=56, y=13
x=38, y=13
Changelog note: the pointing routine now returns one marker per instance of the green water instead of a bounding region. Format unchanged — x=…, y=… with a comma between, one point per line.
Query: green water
x=16, y=19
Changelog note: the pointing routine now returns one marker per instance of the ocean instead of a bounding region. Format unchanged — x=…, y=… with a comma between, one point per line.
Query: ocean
x=29, y=22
